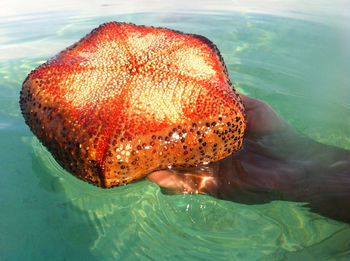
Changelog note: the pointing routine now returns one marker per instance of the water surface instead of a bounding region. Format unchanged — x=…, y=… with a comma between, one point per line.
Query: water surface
x=297, y=62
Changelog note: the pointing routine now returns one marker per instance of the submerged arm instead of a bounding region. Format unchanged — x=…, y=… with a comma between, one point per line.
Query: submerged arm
x=275, y=163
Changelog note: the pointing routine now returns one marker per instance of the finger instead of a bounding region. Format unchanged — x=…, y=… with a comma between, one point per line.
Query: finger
x=166, y=179
x=249, y=103
x=184, y=183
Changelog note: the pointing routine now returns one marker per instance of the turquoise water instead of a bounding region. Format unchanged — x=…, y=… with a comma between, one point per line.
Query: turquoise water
x=300, y=66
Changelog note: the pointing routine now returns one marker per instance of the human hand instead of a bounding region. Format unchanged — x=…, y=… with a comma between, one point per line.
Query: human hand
x=275, y=163
x=261, y=119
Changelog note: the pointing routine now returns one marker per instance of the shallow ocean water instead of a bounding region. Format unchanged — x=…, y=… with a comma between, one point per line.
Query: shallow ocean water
x=299, y=62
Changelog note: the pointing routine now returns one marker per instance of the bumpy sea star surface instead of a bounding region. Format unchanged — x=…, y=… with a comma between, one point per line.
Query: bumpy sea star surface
x=127, y=100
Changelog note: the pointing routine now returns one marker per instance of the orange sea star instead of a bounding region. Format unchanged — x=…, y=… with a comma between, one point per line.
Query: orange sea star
x=127, y=100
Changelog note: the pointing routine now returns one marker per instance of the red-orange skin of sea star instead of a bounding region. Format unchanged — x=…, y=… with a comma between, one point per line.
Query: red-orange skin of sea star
x=127, y=100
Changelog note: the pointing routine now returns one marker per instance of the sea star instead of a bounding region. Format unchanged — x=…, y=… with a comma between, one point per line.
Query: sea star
x=127, y=100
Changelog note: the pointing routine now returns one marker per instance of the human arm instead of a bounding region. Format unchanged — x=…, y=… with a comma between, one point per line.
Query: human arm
x=275, y=163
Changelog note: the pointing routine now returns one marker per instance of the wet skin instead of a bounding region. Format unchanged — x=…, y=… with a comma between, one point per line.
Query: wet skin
x=275, y=163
